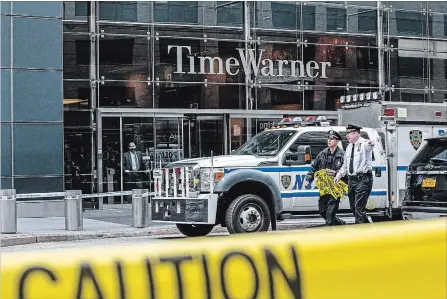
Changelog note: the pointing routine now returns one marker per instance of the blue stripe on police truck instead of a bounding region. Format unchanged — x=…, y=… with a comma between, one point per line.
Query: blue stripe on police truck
x=286, y=169
x=312, y=193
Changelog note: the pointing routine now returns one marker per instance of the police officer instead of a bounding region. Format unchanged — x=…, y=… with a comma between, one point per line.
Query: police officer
x=357, y=164
x=331, y=158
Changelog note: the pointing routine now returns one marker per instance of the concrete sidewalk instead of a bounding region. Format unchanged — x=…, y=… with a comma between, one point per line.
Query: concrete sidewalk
x=52, y=229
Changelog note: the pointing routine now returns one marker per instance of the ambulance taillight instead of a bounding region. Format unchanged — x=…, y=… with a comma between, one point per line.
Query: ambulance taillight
x=389, y=112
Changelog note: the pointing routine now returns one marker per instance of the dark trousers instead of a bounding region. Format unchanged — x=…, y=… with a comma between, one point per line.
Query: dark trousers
x=328, y=208
x=359, y=189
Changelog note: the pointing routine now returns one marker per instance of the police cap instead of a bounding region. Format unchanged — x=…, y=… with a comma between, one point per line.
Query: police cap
x=351, y=128
x=333, y=134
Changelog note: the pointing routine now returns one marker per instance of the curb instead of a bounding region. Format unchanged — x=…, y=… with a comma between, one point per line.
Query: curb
x=160, y=232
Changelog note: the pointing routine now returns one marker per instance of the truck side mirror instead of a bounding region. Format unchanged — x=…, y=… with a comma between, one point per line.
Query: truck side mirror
x=306, y=152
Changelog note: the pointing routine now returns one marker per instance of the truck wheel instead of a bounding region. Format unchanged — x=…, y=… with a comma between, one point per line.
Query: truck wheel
x=247, y=214
x=195, y=230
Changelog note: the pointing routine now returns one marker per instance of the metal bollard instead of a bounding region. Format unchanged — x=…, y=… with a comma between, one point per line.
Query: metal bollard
x=149, y=212
x=139, y=208
x=8, y=211
x=73, y=210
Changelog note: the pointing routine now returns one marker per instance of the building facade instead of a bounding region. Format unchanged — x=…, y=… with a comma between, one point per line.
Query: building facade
x=32, y=127
x=184, y=79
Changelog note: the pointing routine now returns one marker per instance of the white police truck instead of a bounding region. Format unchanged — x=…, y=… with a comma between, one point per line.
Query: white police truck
x=262, y=182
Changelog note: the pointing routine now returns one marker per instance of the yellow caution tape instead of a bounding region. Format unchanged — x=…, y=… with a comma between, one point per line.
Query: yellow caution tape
x=405, y=259
x=325, y=184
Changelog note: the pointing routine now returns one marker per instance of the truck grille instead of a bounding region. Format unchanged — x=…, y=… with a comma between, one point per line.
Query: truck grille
x=175, y=182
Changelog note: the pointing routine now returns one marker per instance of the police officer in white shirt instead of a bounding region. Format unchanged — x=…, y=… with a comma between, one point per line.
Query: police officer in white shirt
x=357, y=164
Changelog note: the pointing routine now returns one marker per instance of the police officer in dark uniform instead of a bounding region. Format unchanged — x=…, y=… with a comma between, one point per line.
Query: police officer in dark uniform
x=357, y=164
x=331, y=158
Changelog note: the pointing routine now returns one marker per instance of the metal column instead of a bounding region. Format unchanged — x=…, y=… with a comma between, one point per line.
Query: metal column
x=248, y=75
x=381, y=50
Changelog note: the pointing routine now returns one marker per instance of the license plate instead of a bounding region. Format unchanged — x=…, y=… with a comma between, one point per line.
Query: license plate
x=428, y=183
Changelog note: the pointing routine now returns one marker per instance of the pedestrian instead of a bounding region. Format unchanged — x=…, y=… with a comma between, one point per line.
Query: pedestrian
x=357, y=164
x=330, y=159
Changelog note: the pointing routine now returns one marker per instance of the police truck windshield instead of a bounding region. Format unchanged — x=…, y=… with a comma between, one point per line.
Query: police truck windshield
x=267, y=143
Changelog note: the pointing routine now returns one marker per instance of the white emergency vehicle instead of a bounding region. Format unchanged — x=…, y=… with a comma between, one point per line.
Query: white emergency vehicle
x=263, y=181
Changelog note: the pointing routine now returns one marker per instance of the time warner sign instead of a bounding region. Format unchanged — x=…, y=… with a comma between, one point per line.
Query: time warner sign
x=247, y=58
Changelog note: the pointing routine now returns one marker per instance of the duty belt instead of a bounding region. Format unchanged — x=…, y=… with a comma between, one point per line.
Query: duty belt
x=360, y=176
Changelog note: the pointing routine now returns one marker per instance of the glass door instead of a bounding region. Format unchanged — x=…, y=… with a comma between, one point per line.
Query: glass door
x=210, y=135
x=168, y=140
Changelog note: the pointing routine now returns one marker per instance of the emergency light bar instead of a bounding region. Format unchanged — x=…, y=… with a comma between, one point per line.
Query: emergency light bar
x=297, y=122
x=357, y=100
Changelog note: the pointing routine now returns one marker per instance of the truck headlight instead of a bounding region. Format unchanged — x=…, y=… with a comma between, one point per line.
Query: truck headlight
x=206, y=178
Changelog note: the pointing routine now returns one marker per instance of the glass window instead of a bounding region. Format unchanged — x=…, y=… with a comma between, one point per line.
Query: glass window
x=367, y=20
x=41, y=8
x=176, y=12
x=284, y=15
x=44, y=37
x=39, y=185
x=412, y=23
x=412, y=67
x=267, y=143
x=76, y=16
x=118, y=11
x=434, y=152
x=6, y=150
x=76, y=56
x=6, y=95
x=336, y=19
x=77, y=95
x=124, y=58
x=77, y=159
x=232, y=14
x=367, y=58
x=6, y=7
x=316, y=140
x=308, y=16
x=34, y=103
x=5, y=41
x=38, y=149
x=81, y=8
x=412, y=97
x=128, y=94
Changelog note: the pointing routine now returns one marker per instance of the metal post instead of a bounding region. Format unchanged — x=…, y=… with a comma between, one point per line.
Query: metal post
x=110, y=174
x=8, y=211
x=380, y=47
x=73, y=210
x=139, y=208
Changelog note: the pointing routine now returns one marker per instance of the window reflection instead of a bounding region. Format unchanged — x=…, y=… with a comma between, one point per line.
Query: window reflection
x=118, y=11
x=176, y=11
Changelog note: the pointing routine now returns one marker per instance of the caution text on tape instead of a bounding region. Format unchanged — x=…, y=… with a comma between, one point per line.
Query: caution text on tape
x=370, y=261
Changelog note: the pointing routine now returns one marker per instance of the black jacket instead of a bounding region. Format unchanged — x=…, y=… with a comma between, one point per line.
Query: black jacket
x=326, y=160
